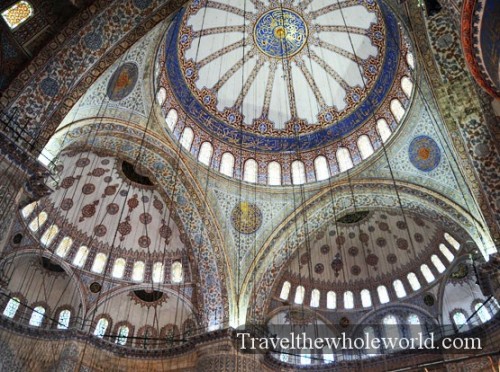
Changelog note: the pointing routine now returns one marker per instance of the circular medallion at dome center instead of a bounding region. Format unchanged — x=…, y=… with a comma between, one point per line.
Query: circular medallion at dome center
x=280, y=33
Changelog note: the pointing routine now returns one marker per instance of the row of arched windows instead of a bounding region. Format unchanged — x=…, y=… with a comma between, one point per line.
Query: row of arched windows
x=37, y=315
x=483, y=311
x=298, y=170
x=382, y=292
x=100, y=260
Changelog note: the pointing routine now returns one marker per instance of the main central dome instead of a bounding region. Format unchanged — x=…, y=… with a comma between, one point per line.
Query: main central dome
x=284, y=77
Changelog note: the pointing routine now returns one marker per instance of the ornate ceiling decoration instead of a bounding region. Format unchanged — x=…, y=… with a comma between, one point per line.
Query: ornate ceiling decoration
x=271, y=78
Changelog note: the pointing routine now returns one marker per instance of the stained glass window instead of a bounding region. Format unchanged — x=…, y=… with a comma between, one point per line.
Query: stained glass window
x=460, y=321
x=413, y=280
x=274, y=173
x=81, y=256
x=38, y=221
x=366, y=298
x=17, y=14
x=399, y=288
x=315, y=296
x=321, y=168
x=49, y=235
x=122, y=335
x=299, y=295
x=138, y=271
x=331, y=300
x=64, y=246
x=205, y=155
x=348, y=300
x=171, y=119
x=344, y=159
x=118, y=268
x=37, y=316
x=64, y=317
x=298, y=173
x=482, y=312
x=365, y=146
x=187, y=138
x=11, y=308
x=177, y=274
x=250, y=172
x=101, y=327
x=383, y=129
x=158, y=272
x=99, y=263
x=383, y=295
x=285, y=291
x=227, y=164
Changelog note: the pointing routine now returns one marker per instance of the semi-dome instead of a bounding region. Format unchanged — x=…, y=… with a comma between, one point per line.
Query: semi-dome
x=314, y=87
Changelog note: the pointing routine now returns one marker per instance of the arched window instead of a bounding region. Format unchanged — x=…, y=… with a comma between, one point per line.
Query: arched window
x=37, y=316
x=99, y=263
x=299, y=295
x=122, y=335
x=383, y=295
x=414, y=325
x=38, y=222
x=49, y=235
x=118, y=268
x=64, y=247
x=450, y=239
x=391, y=327
x=81, y=256
x=187, y=137
x=227, y=164
x=321, y=168
x=397, y=110
x=482, y=312
x=63, y=321
x=348, y=300
x=407, y=86
x=171, y=119
x=460, y=321
x=315, y=296
x=285, y=290
x=328, y=355
x=331, y=300
x=17, y=14
x=413, y=280
x=366, y=298
x=11, y=308
x=161, y=96
x=399, y=288
x=274, y=173
x=427, y=273
x=298, y=173
x=138, y=271
x=446, y=252
x=177, y=272
x=101, y=328
x=365, y=146
x=158, y=272
x=305, y=357
x=436, y=261
x=344, y=159
x=26, y=211
x=250, y=171
x=371, y=348
x=383, y=129
x=205, y=155
x=410, y=60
